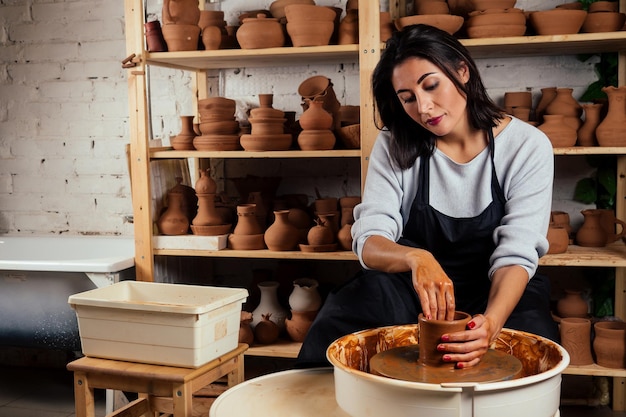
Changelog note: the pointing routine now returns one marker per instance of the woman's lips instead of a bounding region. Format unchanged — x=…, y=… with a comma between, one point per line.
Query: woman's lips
x=434, y=121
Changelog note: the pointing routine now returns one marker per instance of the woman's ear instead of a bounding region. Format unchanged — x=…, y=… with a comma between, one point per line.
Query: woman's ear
x=463, y=71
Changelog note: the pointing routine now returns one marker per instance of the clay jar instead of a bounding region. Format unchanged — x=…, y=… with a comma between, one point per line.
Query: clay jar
x=305, y=295
x=320, y=234
x=561, y=135
x=612, y=130
x=576, y=339
x=299, y=324
x=429, y=336
x=558, y=239
x=247, y=223
x=608, y=344
x=181, y=37
x=211, y=38
x=572, y=304
x=174, y=220
x=315, y=117
x=591, y=233
x=281, y=235
x=260, y=32
x=184, y=140
x=587, y=132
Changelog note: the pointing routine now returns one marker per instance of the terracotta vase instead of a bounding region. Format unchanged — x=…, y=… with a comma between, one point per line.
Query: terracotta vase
x=212, y=38
x=247, y=223
x=319, y=87
x=246, y=335
x=190, y=200
x=572, y=304
x=281, y=235
x=558, y=239
x=269, y=304
x=608, y=344
x=180, y=12
x=299, y=324
x=205, y=184
x=154, y=37
x=316, y=140
x=266, y=331
x=609, y=224
x=315, y=117
x=591, y=233
x=181, y=37
x=587, y=132
x=174, y=220
x=564, y=103
x=344, y=236
x=560, y=134
x=547, y=95
x=184, y=139
x=305, y=295
x=576, y=339
x=207, y=214
x=349, y=28
x=260, y=32
x=429, y=336
x=612, y=130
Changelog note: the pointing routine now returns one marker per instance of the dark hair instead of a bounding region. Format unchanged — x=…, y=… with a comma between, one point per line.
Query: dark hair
x=409, y=140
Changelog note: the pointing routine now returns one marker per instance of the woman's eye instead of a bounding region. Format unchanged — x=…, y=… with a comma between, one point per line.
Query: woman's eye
x=407, y=100
x=431, y=87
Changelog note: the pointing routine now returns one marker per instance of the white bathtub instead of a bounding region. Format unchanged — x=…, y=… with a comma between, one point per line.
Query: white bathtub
x=39, y=273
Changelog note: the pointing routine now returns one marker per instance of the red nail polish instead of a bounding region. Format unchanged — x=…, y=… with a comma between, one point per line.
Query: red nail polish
x=446, y=358
x=445, y=338
x=471, y=324
x=459, y=365
x=440, y=348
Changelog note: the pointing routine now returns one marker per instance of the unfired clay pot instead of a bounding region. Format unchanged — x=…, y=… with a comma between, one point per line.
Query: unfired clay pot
x=612, y=130
x=547, y=95
x=558, y=239
x=260, y=32
x=299, y=324
x=320, y=234
x=266, y=331
x=281, y=235
x=184, y=139
x=246, y=335
x=429, y=336
x=561, y=135
x=174, y=220
x=572, y=304
x=587, y=132
x=608, y=344
x=591, y=233
x=557, y=21
x=576, y=339
x=181, y=37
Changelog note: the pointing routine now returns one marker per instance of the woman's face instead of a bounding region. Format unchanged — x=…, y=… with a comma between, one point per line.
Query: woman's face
x=429, y=97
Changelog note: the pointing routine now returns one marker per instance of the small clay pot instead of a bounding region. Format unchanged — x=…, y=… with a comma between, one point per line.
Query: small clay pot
x=211, y=38
x=281, y=235
x=558, y=239
x=260, y=32
x=316, y=140
x=429, y=336
x=299, y=13
x=299, y=324
x=603, y=22
x=181, y=37
x=572, y=304
x=557, y=21
x=310, y=32
x=266, y=331
x=277, y=7
x=561, y=135
x=576, y=339
x=608, y=344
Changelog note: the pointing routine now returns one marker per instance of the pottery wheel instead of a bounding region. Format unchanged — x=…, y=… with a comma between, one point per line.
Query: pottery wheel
x=401, y=363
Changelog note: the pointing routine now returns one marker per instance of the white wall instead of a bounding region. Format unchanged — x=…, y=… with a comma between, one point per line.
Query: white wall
x=64, y=112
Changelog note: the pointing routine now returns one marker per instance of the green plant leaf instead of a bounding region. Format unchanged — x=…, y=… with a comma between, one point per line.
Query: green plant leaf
x=585, y=191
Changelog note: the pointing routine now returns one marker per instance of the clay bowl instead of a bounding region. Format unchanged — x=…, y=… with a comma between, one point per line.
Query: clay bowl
x=448, y=22
x=298, y=13
x=217, y=230
x=310, y=32
x=266, y=113
x=495, y=31
x=496, y=17
x=181, y=37
x=216, y=143
x=246, y=242
x=222, y=127
x=603, y=6
x=217, y=103
x=603, y=22
x=350, y=136
x=260, y=143
x=492, y=4
x=277, y=8
x=316, y=140
x=574, y=5
x=557, y=21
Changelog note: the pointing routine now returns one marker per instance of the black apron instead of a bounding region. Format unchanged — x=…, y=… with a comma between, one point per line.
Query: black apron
x=461, y=245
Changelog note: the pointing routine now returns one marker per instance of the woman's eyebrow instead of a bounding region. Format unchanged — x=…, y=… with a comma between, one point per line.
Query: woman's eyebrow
x=419, y=81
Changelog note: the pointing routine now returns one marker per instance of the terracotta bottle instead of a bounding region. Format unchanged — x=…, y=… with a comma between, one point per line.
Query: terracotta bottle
x=281, y=235
x=572, y=305
x=587, y=132
x=560, y=134
x=612, y=130
x=591, y=233
x=576, y=339
x=174, y=220
x=608, y=344
x=349, y=28
x=315, y=117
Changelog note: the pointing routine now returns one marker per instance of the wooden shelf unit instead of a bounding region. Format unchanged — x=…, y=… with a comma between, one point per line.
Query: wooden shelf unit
x=366, y=54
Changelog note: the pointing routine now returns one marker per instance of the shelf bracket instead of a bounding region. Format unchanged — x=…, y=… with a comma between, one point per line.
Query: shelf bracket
x=131, y=61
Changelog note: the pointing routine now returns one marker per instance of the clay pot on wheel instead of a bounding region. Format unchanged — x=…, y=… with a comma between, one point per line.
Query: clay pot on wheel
x=429, y=336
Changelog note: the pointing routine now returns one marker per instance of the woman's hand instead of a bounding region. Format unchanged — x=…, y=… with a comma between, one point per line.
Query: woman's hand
x=434, y=288
x=466, y=348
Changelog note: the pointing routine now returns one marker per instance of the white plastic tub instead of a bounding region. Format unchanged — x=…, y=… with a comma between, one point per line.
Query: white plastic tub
x=166, y=324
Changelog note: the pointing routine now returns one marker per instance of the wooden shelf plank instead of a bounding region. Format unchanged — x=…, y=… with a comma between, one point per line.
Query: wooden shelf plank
x=591, y=150
x=281, y=349
x=168, y=153
x=594, y=370
x=261, y=254
x=613, y=255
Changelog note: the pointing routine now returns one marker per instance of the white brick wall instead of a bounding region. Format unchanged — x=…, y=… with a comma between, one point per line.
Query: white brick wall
x=64, y=112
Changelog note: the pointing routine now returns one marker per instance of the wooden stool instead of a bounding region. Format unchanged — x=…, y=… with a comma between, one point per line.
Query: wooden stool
x=150, y=381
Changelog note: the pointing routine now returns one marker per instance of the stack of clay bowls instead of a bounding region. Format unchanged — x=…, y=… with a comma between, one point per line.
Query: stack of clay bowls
x=603, y=16
x=212, y=28
x=519, y=104
x=435, y=13
x=220, y=130
x=310, y=25
x=268, y=128
x=557, y=21
x=277, y=8
x=495, y=23
x=180, y=25
x=316, y=124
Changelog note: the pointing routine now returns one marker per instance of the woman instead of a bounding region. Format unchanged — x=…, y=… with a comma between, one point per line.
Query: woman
x=455, y=208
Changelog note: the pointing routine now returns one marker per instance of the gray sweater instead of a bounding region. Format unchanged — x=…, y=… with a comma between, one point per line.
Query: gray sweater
x=524, y=164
